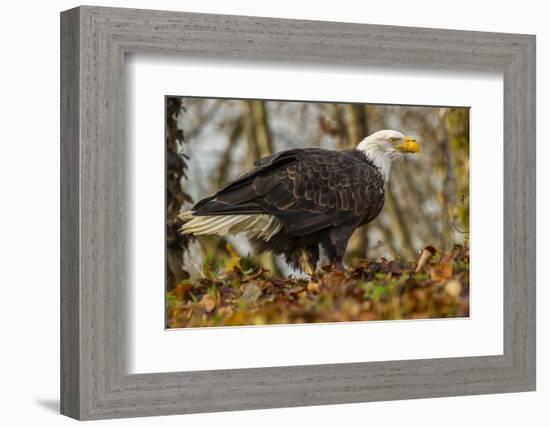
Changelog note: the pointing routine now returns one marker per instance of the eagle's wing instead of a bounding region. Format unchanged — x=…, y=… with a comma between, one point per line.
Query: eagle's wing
x=307, y=190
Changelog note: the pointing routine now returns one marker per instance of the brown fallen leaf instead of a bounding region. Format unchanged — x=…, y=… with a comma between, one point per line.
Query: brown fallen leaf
x=251, y=292
x=442, y=271
x=294, y=289
x=182, y=290
x=333, y=279
x=225, y=311
x=207, y=303
x=313, y=287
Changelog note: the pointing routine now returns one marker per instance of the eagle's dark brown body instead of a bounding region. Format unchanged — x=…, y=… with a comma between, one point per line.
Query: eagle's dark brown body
x=319, y=197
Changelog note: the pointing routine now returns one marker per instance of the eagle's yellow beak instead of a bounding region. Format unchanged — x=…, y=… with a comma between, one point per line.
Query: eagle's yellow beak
x=408, y=145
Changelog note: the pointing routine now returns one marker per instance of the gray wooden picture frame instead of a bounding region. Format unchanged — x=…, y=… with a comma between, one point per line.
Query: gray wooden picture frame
x=94, y=41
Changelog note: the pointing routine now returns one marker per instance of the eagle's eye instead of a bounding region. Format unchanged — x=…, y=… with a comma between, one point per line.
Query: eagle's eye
x=393, y=139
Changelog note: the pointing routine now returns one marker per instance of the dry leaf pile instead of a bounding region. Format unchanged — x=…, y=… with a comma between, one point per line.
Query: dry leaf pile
x=435, y=286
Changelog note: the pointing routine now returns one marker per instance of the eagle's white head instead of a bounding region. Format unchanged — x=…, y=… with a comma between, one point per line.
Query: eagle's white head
x=385, y=146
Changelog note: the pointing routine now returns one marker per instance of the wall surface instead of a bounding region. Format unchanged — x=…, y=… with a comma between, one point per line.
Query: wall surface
x=29, y=214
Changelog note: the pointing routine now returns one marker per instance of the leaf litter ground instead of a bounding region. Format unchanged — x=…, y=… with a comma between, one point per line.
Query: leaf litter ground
x=232, y=294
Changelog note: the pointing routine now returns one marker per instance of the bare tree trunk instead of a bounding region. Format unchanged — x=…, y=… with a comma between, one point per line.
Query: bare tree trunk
x=459, y=146
x=256, y=131
x=399, y=224
x=261, y=130
x=342, y=135
x=258, y=139
x=388, y=238
x=447, y=194
x=430, y=230
x=357, y=125
x=226, y=158
x=356, y=129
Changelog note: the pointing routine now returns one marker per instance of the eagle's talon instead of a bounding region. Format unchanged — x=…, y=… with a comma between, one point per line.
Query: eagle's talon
x=339, y=266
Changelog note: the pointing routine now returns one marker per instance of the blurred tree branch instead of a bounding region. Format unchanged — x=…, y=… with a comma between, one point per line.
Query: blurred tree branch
x=356, y=129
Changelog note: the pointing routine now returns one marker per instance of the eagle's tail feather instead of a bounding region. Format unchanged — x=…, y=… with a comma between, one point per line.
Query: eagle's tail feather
x=260, y=226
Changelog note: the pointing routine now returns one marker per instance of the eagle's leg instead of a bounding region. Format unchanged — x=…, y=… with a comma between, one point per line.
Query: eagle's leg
x=336, y=245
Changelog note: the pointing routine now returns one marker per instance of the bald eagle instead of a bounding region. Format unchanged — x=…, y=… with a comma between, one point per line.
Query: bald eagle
x=296, y=201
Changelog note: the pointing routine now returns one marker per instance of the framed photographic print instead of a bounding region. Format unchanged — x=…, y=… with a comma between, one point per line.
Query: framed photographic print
x=276, y=213
x=248, y=253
